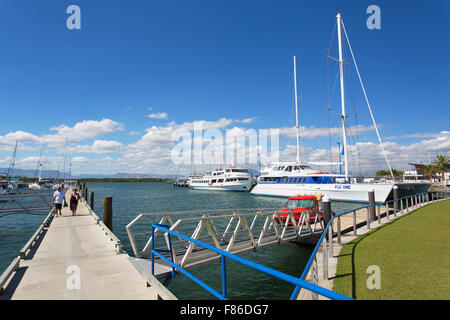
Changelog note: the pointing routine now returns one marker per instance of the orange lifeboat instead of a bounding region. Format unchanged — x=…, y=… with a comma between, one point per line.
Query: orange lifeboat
x=297, y=205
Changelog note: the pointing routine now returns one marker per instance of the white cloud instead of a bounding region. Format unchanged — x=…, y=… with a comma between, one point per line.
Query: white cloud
x=158, y=115
x=313, y=132
x=246, y=120
x=99, y=147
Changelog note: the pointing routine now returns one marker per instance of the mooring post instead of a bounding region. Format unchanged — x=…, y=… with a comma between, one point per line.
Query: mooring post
x=371, y=196
x=107, y=212
x=379, y=213
x=91, y=200
x=395, y=188
x=85, y=195
x=326, y=209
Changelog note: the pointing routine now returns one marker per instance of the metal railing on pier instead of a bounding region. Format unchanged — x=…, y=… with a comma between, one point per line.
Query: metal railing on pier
x=25, y=202
x=233, y=231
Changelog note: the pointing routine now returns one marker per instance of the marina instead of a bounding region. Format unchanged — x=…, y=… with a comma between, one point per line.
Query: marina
x=159, y=151
x=245, y=234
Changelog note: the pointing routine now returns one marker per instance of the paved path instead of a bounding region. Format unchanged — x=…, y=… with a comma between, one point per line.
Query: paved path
x=71, y=246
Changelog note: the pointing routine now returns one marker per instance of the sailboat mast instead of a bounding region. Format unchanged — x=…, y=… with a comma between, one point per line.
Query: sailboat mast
x=341, y=71
x=296, y=112
x=64, y=165
x=11, y=166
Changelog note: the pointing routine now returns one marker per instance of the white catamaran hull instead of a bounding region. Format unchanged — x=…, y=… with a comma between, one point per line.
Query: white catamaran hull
x=342, y=192
x=336, y=192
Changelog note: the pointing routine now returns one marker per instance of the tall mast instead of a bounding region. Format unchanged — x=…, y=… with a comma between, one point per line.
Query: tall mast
x=38, y=178
x=296, y=112
x=11, y=166
x=341, y=71
x=64, y=165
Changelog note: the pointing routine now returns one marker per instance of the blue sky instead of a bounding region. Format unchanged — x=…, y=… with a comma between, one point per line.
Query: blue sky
x=212, y=60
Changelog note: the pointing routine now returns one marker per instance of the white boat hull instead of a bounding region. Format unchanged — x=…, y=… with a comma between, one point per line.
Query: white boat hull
x=243, y=187
x=336, y=192
x=355, y=192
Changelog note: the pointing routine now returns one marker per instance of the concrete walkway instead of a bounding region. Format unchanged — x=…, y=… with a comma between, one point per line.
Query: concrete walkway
x=74, y=259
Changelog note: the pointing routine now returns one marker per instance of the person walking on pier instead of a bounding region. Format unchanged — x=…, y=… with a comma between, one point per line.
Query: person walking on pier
x=58, y=198
x=74, y=201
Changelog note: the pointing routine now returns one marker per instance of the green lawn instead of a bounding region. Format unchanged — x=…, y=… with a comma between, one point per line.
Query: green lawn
x=412, y=252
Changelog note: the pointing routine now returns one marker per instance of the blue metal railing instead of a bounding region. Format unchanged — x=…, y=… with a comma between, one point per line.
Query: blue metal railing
x=223, y=255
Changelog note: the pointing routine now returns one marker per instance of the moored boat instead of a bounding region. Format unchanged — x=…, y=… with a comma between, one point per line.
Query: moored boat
x=229, y=179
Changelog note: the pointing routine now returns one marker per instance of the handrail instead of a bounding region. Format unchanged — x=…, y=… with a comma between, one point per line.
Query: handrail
x=280, y=275
x=326, y=229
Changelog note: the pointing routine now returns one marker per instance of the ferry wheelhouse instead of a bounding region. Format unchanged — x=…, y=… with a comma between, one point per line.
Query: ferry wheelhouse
x=229, y=179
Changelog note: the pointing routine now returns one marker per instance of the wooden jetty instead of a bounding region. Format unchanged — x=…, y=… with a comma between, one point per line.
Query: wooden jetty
x=76, y=258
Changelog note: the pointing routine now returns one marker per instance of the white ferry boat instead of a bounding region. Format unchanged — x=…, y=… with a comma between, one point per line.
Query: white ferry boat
x=229, y=179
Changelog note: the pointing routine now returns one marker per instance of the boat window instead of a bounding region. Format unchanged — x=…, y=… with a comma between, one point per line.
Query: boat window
x=220, y=180
x=291, y=204
x=213, y=181
x=306, y=203
x=288, y=168
x=228, y=170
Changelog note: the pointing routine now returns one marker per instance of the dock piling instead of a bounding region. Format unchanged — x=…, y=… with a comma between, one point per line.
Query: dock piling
x=371, y=196
x=107, y=212
x=91, y=200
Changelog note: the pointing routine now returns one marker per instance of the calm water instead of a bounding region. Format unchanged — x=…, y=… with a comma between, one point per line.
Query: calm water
x=133, y=198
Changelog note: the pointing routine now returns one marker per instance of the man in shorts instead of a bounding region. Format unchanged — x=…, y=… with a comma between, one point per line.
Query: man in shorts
x=58, y=198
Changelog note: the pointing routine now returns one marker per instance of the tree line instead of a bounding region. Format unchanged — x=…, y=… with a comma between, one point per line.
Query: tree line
x=440, y=165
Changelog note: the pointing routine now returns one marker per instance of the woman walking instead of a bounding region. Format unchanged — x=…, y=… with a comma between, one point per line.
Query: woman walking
x=74, y=201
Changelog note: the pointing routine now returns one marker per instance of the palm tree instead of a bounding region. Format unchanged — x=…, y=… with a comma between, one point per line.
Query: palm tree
x=429, y=170
x=441, y=164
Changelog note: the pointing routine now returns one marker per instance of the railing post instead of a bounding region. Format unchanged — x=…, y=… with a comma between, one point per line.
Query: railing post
x=330, y=240
x=368, y=218
x=224, y=277
x=339, y=229
x=395, y=189
x=371, y=197
x=325, y=257
x=107, y=212
x=387, y=210
x=326, y=210
x=354, y=222
x=401, y=206
x=379, y=213
x=315, y=277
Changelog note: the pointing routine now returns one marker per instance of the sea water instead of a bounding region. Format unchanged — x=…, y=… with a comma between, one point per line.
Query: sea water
x=133, y=198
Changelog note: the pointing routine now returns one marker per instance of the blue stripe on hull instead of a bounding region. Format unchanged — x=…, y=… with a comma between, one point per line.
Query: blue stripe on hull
x=332, y=199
